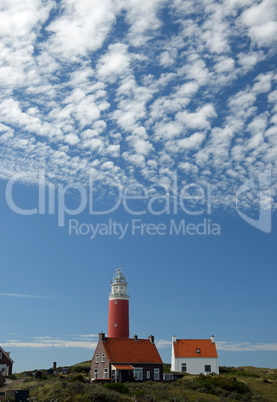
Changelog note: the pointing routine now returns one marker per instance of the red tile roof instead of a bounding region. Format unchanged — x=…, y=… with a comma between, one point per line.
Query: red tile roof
x=126, y=350
x=188, y=347
x=123, y=366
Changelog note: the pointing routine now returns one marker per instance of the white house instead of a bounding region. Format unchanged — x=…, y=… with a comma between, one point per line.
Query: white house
x=194, y=356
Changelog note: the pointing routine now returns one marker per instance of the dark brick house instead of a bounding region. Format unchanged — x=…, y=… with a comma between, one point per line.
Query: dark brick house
x=123, y=359
x=6, y=363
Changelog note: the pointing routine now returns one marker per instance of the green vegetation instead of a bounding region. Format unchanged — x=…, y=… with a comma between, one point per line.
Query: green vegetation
x=233, y=384
x=239, y=371
x=118, y=387
x=221, y=386
x=80, y=368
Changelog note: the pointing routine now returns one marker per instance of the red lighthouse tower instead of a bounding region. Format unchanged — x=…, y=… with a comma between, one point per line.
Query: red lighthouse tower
x=118, y=307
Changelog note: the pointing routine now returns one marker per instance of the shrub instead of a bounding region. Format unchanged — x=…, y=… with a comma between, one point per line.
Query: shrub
x=77, y=377
x=118, y=387
x=218, y=385
x=81, y=368
x=239, y=371
x=101, y=395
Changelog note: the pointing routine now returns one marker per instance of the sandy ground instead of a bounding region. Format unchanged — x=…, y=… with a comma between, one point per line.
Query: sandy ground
x=10, y=383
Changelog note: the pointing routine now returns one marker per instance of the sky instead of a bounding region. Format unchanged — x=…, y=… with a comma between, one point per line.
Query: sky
x=139, y=135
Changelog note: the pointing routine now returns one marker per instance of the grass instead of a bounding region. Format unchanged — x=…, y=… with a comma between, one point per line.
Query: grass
x=233, y=384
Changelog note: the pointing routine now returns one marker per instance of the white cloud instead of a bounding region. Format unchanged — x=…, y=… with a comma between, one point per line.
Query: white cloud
x=142, y=17
x=192, y=142
x=71, y=139
x=225, y=64
x=18, y=19
x=199, y=119
x=82, y=28
x=48, y=342
x=215, y=29
x=197, y=70
x=167, y=58
x=114, y=63
x=272, y=97
x=108, y=165
x=246, y=346
x=263, y=83
x=250, y=59
x=24, y=296
x=261, y=22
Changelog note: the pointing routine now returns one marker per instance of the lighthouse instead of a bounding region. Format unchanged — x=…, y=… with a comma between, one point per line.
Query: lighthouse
x=118, y=326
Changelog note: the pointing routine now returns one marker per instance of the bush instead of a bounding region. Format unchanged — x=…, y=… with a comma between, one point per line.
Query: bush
x=81, y=369
x=118, y=387
x=239, y=371
x=220, y=386
x=77, y=377
x=101, y=395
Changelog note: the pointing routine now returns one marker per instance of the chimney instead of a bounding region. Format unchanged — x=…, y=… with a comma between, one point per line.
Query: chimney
x=135, y=337
x=174, y=340
x=151, y=338
x=55, y=366
x=213, y=339
x=102, y=337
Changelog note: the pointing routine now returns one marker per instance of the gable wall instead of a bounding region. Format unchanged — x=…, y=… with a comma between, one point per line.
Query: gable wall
x=100, y=366
x=7, y=362
x=196, y=365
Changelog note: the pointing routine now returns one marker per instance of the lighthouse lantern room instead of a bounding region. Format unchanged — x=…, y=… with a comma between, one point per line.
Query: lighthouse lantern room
x=118, y=326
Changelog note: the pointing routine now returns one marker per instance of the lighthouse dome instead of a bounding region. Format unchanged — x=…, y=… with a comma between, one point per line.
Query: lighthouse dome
x=119, y=285
x=119, y=277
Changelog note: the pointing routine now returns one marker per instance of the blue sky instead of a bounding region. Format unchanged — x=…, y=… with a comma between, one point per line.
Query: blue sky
x=138, y=134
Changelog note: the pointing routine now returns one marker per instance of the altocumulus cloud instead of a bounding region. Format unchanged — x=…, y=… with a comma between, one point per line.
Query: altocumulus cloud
x=87, y=341
x=135, y=91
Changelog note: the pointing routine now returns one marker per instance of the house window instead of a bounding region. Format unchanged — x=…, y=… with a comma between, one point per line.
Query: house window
x=208, y=368
x=115, y=302
x=198, y=350
x=96, y=358
x=148, y=375
x=0, y=355
x=2, y=368
x=95, y=373
x=156, y=374
x=105, y=373
x=184, y=367
x=138, y=373
x=103, y=357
